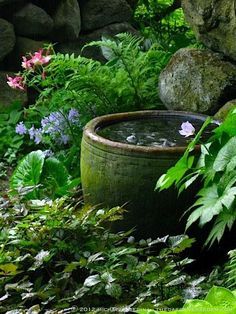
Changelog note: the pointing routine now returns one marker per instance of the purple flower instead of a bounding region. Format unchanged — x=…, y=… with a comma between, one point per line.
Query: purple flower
x=73, y=115
x=187, y=129
x=32, y=132
x=53, y=123
x=64, y=139
x=48, y=153
x=38, y=136
x=21, y=128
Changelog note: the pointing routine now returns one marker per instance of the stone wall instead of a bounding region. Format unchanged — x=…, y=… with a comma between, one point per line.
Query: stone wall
x=204, y=80
x=25, y=25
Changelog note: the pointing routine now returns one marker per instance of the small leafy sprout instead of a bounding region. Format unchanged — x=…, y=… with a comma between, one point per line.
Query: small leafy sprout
x=187, y=129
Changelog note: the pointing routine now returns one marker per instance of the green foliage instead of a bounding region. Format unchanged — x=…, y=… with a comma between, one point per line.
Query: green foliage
x=62, y=256
x=216, y=166
x=127, y=81
x=230, y=269
x=219, y=300
x=37, y=176
x=163, y=22
x=10, y=142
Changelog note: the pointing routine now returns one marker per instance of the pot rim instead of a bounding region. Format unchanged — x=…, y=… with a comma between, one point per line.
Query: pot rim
x=90, y=135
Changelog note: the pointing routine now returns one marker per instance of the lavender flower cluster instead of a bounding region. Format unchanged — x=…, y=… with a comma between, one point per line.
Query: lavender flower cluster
x=58, y=126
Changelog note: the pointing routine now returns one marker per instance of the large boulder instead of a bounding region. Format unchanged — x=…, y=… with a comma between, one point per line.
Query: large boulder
x=197, y=80
x=8, y=95
x=22, y=47
x=96, y=14
x=94, y=52
x=32, y=21
x=7, y=38
x=214, y=23
x=223, y=112
x=67, y=21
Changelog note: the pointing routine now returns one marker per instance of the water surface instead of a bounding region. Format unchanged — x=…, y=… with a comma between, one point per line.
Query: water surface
x=154, y=132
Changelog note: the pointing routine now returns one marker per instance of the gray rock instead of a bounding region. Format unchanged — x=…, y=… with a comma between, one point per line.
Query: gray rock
x=7, y=38
x=214, y=23
x=96, y=14
x=67, y=21
x=222, y=113
x=197, y=80
x=22, y=47
x=32, y=21
x=9, y=95
x=94, y=52
x=26, y=45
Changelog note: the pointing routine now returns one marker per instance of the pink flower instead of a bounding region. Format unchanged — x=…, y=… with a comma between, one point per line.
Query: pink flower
x=16, y=82
x=187, y=129
x=39, y=59
x=27, y=64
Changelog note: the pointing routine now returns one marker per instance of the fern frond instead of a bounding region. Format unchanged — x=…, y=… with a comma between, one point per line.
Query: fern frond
x=231, y=270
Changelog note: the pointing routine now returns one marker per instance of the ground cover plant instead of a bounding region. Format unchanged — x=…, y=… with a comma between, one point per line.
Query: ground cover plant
x=60, y=255
x=163, y=21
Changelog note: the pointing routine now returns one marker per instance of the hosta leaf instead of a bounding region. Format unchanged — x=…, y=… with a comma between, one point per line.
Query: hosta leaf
x=192, y=304
x=225, y=155
x=28, y=171
x=57, y=171
x=221, y=297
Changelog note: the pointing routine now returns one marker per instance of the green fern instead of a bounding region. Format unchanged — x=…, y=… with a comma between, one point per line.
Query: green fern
x=231, y=270
x=126, y=82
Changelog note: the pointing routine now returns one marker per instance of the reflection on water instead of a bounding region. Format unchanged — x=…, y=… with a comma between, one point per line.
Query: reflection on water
x=154, y=132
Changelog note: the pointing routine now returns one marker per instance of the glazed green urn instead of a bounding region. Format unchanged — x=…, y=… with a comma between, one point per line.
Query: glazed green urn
x=115, y=173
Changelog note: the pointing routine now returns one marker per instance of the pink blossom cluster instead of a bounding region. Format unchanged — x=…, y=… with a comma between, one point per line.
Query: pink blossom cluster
x=35, y=60
x=16, y=82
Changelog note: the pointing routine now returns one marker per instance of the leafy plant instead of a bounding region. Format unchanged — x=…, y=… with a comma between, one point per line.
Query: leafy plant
x=10, y=142
x=37, y=176
x=163, y=21
x=216, y=166
x=219, y=300
x=62, y=256
x=230, y=270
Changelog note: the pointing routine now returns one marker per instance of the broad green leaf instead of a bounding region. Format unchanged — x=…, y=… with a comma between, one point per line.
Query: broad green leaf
x=57, y=171
x=174, y=174
x=225, y=155
x=28, y=171
x=193, y=304
x=228, y=126
x=221, y=297
x=208, y=205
